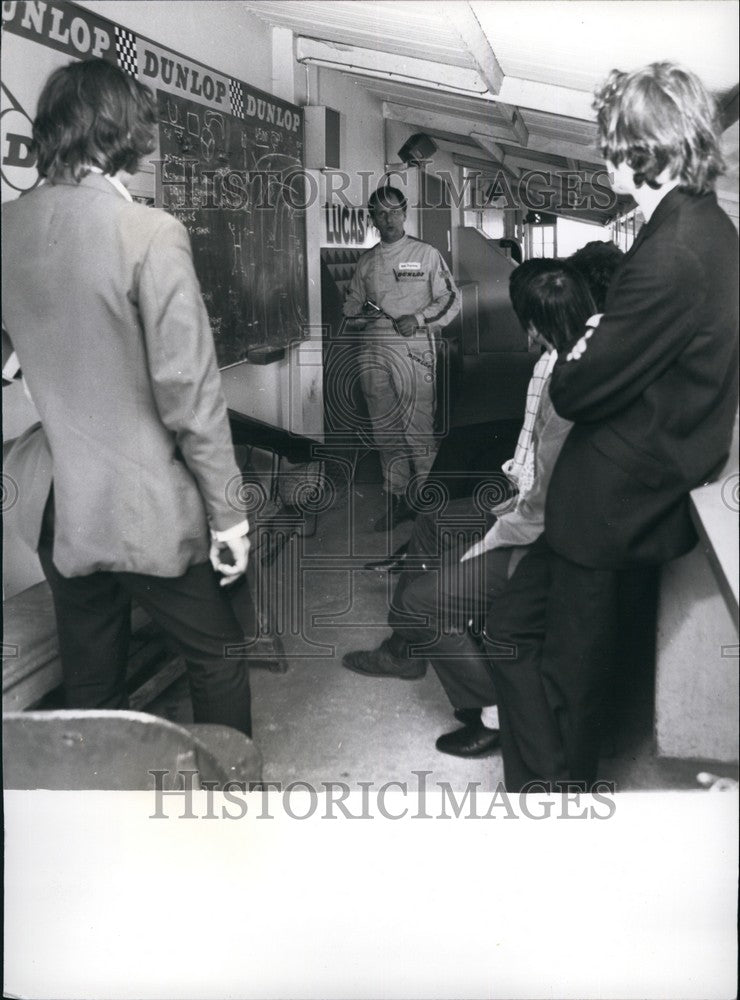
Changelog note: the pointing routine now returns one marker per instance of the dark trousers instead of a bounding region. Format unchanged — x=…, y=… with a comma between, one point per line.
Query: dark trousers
x=437, y=596
x=552, y=638
x=93, y=615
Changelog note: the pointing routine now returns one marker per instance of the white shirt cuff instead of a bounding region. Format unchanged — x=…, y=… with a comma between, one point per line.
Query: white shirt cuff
x=11, y=368
x=421, y=319
x=229, y=534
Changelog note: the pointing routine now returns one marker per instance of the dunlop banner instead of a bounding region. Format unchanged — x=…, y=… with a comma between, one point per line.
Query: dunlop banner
x=40, y=36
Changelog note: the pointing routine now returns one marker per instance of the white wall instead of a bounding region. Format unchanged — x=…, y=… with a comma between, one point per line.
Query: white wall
x=572, y=235
x=362, y=139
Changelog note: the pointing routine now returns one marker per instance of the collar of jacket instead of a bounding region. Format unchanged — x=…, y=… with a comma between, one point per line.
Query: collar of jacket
x=98, y=182
x=675, y=197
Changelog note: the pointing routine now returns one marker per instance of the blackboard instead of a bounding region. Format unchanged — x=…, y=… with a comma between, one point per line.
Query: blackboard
x=237, y=185
x=234, y=148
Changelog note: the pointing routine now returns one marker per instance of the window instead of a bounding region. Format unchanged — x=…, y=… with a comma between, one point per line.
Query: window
x=541, y=240
x=625, y=229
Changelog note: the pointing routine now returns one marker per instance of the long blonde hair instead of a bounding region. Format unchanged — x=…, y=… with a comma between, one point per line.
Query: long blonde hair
x=657, y=117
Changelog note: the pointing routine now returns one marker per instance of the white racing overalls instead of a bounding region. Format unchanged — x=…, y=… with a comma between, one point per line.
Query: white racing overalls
x=398, y=374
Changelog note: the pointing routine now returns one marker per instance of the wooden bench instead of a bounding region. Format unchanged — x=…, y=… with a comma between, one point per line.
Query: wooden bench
x=31, y=664
x=117, y=751
x=32, y=668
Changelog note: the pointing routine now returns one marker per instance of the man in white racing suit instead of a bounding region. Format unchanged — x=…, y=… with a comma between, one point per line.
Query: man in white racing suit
x=404, y=293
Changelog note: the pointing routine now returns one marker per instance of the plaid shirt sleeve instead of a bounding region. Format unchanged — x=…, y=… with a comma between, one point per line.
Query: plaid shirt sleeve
x=520, y=468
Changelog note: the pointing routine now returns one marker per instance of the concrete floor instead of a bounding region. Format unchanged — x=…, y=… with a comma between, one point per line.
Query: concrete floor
x=319, y=722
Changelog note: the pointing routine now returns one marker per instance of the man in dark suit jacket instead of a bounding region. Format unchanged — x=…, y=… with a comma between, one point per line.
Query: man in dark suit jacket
x=102, y=305
x=652, y=391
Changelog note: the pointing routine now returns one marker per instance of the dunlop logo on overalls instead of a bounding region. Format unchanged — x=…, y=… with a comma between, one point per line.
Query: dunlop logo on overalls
x=409, y=269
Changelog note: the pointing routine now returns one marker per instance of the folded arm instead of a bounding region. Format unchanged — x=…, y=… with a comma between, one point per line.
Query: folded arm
x=650, y=318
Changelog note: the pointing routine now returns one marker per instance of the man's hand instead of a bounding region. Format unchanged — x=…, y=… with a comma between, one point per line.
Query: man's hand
x=579, y=348
x=407, y=325
x=368, y=314
x=506, y=506
x=355, y=324
x=230, y=558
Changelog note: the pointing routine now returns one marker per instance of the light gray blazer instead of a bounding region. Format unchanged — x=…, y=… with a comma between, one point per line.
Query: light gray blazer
x=102, y=305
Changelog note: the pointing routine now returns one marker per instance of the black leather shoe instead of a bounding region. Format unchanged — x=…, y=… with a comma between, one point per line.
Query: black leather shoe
x=380, y=663
x=471, y=741
x=468, y=716
x=399, y=511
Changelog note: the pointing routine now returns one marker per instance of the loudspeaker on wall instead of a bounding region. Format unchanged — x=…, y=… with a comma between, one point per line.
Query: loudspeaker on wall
x=417, y=148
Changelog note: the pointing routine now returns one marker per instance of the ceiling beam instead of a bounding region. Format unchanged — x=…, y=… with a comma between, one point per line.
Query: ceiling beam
x=460, y=125
x=463, y=141
x=459, y=149
x=545, y=97
x=435, y=100
x=521, y=161
x=498, y=159
x=388, y=66
x=488, y=168
x=559, y=147
x=509, y=92
x=474, y=38
x=585, y=201
x=550, y=193
x=515, y=120
x=517, y=123
x=490, y=146
x=446, y=122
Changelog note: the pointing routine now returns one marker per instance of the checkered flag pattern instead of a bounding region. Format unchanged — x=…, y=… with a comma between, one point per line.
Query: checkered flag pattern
x=236, y=92
x=126, y=51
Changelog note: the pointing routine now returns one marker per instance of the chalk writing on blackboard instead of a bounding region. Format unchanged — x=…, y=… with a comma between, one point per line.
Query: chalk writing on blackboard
x=238, y=188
